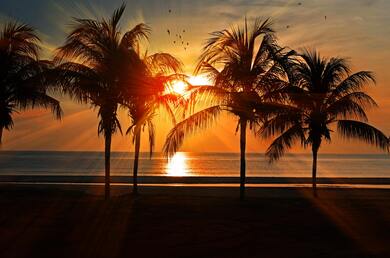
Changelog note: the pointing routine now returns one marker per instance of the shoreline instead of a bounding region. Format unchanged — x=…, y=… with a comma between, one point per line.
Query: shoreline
x=195, y=180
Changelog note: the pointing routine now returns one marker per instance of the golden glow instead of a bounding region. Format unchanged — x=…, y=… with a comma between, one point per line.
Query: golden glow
x=177, y=165
x=199, y=80
x=178, y=87
x=26, y=133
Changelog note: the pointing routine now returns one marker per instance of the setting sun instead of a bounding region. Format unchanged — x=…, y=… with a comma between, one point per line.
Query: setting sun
x=181, y=87
x=178, y=87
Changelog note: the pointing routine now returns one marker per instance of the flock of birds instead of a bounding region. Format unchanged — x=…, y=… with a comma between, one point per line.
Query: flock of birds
x=179, y=37
x=300, y=3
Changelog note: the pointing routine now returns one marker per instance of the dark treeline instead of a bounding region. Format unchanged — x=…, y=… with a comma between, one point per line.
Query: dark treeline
x=293, y=97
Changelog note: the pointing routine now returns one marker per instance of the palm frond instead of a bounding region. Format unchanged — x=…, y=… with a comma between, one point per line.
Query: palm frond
x=353, y=104
x=6, y=112
x=282, y=117
x=203, y=96
x=352, y=83
x=260, y=27
x=163, y=63
x=76, y=80
x=284, y=142
x=335, y=70
x=165, y=102
x=115, y=18
x=76, y=48
x=20, y=39
x=152, y=133
x=362, y=131
x=40, y=99
x=208, y=69
x=198, y=121
x=132, y=37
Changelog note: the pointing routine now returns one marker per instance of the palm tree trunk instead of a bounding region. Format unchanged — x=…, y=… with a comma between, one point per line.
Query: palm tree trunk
x=1, y=134
x=107, y=154
x=314, y=171
x=136, y=157
x=242, y=157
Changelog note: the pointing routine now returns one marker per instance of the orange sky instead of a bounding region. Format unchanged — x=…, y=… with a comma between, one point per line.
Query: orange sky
x=357, y=29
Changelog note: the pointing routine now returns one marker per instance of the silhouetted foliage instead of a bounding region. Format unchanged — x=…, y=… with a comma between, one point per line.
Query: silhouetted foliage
x=324, y=92
x=147, y=91
x=246, y=68
x=93, y=67
x=22, y=85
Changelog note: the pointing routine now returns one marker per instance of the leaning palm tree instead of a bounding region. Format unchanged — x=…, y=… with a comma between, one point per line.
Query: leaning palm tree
x=325, y=93
x=21, y=82
x=148, y=91
x=93, y=67
x=247, y=78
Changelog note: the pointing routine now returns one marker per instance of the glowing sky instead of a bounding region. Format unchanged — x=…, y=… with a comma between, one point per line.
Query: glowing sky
x=358, y=29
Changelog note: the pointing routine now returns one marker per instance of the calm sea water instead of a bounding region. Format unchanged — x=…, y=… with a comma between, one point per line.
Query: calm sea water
x=191, y=164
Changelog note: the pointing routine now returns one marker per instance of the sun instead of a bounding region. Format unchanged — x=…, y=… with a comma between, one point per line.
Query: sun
x=181, y=87
x=178, y=87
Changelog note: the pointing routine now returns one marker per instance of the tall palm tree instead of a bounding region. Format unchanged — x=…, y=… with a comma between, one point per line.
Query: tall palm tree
x=325, y=93
x=148, y=91
x=247, y=78
x=93, y=67
x=21, y=82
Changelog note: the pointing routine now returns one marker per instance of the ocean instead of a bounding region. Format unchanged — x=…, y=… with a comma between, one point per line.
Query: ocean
x=54, y=163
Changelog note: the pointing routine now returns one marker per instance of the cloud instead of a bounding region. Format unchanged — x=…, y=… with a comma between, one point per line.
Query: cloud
x=229, y=15
x=270, y=3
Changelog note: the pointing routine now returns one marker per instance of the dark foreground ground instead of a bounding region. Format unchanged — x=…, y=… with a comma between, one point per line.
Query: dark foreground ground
x=37, y=221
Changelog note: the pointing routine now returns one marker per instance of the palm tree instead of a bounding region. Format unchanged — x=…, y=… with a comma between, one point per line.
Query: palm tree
x=21, y=82
x=247, y=78
x=147, y=91
x=93, y=67
x=325, y=93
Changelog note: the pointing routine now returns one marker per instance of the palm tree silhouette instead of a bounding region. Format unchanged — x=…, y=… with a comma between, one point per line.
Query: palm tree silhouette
x=324, y=92
x=247, y=81
x=21, y=74
x=93, y=67
x=146, y=93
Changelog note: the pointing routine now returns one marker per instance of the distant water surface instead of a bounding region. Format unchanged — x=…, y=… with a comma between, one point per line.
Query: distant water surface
x=191, y=164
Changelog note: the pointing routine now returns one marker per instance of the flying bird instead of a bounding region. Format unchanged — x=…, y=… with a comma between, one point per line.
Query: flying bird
x=169, y=10
x=174, y=42
x=325, y=17
x=169, y=32
x=299, y=3
x=288, y=26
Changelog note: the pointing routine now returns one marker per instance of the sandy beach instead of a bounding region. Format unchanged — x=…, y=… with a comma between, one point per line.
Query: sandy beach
x=75, y=221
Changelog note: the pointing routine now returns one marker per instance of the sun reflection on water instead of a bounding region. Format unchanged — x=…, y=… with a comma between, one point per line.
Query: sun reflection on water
x=177, y=165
